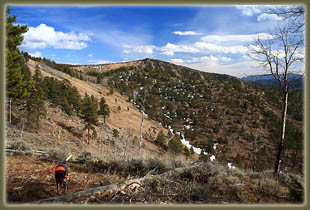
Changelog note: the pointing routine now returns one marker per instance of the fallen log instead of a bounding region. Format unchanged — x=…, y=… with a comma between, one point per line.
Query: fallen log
x=103, y=189
x=37, y=152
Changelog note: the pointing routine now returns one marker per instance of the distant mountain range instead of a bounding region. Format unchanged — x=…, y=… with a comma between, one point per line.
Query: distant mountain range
x=296, y=80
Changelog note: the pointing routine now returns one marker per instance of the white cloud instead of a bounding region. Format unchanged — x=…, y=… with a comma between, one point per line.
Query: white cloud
x=249, y=10
x=74, y=63
x=90, y=55
x=235, y=38
x=178, y=24
x=210, y=58
x=99, y=61
x=210, y=47
x=177, y=60
x=186, y=33
x=225, y=59
x=44, y=36
x=202, y=59
x=170, y=49
x=126, y=51
x=147, y=49
x=268, y=17
x=171, y=53
x=36, y=54
x=246, y=57
x=239, y=69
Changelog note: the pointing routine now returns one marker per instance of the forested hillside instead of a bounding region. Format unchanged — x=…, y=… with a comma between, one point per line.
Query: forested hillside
x=213, y=109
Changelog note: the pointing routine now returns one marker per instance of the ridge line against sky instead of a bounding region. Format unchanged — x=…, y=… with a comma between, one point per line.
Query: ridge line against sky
x=206, y=38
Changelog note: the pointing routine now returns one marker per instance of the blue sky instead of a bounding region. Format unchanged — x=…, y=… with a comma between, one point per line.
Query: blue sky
x=207, y=38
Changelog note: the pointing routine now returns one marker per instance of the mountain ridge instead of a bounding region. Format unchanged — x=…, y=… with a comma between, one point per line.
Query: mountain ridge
x=203, y=108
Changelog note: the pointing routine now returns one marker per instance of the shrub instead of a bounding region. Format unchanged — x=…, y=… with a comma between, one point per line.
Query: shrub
x=115, y=133
x=58, y=154
x=267, y=187
x=84, y=157
x=136, y=167
x=19, y=145
x=296, y=185
x=157, y=163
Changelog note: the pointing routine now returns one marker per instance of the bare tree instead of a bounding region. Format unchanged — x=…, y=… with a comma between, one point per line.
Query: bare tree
x=280, y=55
x=142, y=108
x=293, y=14
x=255, y=149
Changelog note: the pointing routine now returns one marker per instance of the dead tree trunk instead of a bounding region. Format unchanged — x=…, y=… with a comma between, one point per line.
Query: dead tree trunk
x=280, y=145
x=38, y=123
x=10, y=111
x=102, y=147
x=140, y=144
x=88, y=136
x=22, y=129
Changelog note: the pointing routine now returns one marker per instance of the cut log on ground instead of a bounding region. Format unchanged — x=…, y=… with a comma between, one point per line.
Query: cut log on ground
x=102, y=189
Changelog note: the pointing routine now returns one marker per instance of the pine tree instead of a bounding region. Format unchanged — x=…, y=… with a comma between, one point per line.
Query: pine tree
x=36, y=101
x=175, y=145
x=161, y=140
x=89, y=112
x=103, y=108
x=16, y=84
x=35, y=107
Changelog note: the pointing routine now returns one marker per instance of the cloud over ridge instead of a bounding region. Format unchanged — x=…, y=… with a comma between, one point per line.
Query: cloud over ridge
x=186, y=33
x=44, y=36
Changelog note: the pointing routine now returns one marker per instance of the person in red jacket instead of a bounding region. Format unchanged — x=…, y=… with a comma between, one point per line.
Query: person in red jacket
x=62, y=175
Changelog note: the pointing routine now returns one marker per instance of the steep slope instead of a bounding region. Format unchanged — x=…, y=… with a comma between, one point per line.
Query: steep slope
x=126, y=119
x=228, y=118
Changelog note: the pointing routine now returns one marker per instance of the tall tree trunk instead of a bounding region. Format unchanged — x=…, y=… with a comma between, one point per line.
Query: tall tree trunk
x=10, y=111
x=38, y=118
x=102, y=147
x=114, y=148
x=254, y=146
x=88, y=136
x=140, y=144
x=280, y=145
x=22, y=129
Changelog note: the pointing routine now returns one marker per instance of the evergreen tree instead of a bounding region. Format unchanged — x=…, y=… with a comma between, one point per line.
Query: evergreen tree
x=175, y=145
x=89, y=112
x=161, y=140
x=36, y=101
x=37, y=77
x=103, y=108
x=35, y=107
x=16, y=84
